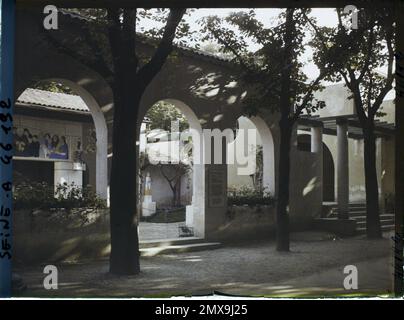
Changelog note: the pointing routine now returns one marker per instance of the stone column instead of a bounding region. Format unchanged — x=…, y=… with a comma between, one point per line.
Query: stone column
x=342, y=169
x=317, y=139
x=380, y=171
x=317, y=147
x=148, y=205
x=101, y=166
x=68, y=172
x=195, y=211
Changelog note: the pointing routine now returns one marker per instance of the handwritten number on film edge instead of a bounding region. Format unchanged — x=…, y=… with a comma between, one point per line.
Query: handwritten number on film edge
x=6, y=186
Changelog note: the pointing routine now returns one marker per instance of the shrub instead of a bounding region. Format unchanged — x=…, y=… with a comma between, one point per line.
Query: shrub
x=35, y=195
x=249, y=196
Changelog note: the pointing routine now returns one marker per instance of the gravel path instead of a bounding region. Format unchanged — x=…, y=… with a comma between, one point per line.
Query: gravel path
x=312, y=267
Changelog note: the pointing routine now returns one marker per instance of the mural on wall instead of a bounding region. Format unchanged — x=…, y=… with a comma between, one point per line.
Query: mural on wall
x=45, y=145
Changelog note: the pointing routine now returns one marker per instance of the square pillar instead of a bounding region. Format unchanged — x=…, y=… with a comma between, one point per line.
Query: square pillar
x=380, y=173
x=68, y=172
x=342, y=169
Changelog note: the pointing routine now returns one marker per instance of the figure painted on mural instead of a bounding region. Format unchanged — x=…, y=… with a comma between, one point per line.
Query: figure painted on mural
x=32, y=149
x=59, y=148
x=53, y=146
x=25, y=144
x=20, y=142
x=35, y=146
x=64, y=148
x=50, y=147
x=26, y=141
x=29, y=150
x=45, y=146
x=78, y=153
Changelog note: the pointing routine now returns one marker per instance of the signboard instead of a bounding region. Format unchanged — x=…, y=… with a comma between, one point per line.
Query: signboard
x=217, y=187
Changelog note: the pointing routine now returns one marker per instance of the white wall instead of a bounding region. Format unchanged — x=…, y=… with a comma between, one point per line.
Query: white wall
x=242, y=148
x=161, y=191
x=336, y=100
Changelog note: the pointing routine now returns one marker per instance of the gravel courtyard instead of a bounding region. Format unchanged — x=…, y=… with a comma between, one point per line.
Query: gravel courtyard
x=313, y=267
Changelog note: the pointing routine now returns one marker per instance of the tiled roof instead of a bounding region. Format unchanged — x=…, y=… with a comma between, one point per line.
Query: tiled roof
x=51, y=99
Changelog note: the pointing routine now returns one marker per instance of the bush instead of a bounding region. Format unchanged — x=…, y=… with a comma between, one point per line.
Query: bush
x=35, y=196
x=249, y=196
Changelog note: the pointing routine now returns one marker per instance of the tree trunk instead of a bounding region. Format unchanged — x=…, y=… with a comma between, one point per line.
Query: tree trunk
x=373, y=228
x=178, y=199
x=124, y=258
x=128, y=85
x=285, y=125
x=282, y=211
x=174, y=195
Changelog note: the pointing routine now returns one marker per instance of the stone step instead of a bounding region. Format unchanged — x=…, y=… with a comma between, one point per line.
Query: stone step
x=355, y=205
x=357, y=208
x=350, y=214
x=169, y=242
x=351, y=204
x=384, y=216
x=361, y=223
x=357, y=212
x=384, y=228
x=351, y=209
x=153, y=251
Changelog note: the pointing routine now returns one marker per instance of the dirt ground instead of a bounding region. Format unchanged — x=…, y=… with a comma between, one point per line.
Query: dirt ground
x=314, y=267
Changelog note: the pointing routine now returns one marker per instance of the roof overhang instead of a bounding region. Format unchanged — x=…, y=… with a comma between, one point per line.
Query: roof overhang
x=329, y=124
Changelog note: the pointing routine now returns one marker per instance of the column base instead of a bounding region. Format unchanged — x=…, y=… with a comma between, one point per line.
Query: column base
x=148, y=207
x=189, y=216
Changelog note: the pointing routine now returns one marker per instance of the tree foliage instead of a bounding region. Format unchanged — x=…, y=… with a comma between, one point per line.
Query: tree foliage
x=261, y=70
x=53, y=86
x=363, y=58
x=162, y=114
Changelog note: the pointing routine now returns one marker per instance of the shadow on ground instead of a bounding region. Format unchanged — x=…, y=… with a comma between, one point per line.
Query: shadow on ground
x=314, y=267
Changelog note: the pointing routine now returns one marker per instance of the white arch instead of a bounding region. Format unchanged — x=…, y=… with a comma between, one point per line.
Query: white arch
x=101, y=167
x=197, y=209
